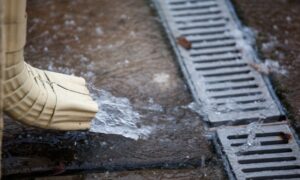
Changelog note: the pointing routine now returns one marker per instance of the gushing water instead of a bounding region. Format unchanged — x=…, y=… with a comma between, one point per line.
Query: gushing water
x=116, y=116
x=252, y=141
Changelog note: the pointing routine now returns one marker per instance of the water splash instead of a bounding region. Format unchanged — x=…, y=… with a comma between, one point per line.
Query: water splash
x=152, y=106
x=229, y=106
x=206, y=108
x=252, y=141
x=275, y=67
x=195, y=107
x=116, y=116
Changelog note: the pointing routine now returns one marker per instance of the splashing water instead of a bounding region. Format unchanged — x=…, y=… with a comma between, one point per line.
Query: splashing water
x=195, y=107
x=152, y=106
x=207, y=108
x=116, y=116
x=252, y=141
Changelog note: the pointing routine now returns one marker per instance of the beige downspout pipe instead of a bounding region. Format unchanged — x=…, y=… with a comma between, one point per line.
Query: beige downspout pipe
x=2, y=64
x=35, y=97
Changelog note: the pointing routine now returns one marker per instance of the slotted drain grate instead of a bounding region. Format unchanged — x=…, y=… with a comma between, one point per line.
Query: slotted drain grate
x=261, y=152
x=218, y=64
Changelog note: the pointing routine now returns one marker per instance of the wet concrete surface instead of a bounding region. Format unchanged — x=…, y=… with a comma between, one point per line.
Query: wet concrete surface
x=277, y=24
x=180, y=174
x=119, y=47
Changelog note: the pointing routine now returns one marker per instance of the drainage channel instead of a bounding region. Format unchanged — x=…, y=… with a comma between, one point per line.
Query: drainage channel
x=265, y=152
x=218, y=62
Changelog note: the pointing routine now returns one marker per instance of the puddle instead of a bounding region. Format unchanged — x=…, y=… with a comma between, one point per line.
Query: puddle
x=117, y=116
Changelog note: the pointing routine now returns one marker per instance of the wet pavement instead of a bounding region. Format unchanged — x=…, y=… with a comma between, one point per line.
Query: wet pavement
x=277, y=27
x=119, y=48
x=180, y=174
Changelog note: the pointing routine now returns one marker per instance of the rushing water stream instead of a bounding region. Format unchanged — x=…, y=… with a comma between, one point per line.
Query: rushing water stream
x=117, y=116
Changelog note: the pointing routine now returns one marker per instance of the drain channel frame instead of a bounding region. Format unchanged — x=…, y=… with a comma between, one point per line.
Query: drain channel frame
x=257, y=110
x=277, y=154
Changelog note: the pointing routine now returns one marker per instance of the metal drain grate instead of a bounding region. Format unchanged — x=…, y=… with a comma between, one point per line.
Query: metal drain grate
x=263, y=152
x=218, y=63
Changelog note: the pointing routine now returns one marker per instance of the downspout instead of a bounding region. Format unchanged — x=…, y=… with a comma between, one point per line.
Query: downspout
x=35, y=97
x=2, y=64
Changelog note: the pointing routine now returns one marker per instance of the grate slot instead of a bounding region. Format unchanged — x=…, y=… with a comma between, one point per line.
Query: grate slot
x=245, y=136
x=180, y=2
x=242, y=142
x=263, y=141
x=206, y=26
x=231, y=84
x=201, y=31
x=272, y=168
x=268, y=157
x=238, y=114
x=220, y=65
x=244, y=107
x=196, y=12
x=239, y=107
x=265, y=151
x=266, y=160
x=209, y=37
x=250, y=98
x=276, y=155
x=233, y=90
x=226, y=72
x=201, y=24
x=263, y=138
x=266, y=143
x=293, y=176
x=243, y=102
x=217, y=44
x=191, y=4
x=248, y=86
x=217, y=51
x=227, y=79
x=215, y=58
x=281, y=137
x=194, y=6
x=214, y=51
x=233, y=94
x=194, y=19
x=216, y=61
x=280, y=174
x=269, y=164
